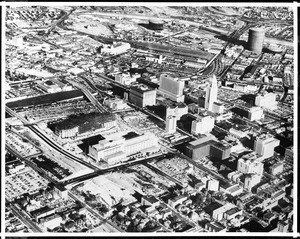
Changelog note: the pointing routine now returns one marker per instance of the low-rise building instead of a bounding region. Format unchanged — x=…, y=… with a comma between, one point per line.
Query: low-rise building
x=233, y=190
x=117, y=147
x=173, y=202
x=232, y=213
x=276, y=168
x=115, y=104
x=116, y=48
x=218, y=213
x=42, y=212
x=52, y=221
x=215, y=227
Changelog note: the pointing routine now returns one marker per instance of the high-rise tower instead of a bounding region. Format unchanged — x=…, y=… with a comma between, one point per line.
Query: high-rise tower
x=256, y=39
x=211, y=93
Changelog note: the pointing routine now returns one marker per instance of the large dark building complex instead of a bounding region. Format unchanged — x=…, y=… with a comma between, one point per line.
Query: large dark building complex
x=79, y=124
x=206, y=146
x=142, y=95
x=256, y=39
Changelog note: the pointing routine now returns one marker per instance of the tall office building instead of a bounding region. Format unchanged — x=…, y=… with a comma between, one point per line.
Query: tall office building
x=267, y=100
x=255, y=113
x=171, y=87
x=256, y=39
x=142, y=95
x=211, y=93
x=264, y=145
x=213, y=185
x=250, y=164
x=177, y=110
x=282, y=226
x=251, y=180
x=171, y=124
x=203, y=125
x=218, y=108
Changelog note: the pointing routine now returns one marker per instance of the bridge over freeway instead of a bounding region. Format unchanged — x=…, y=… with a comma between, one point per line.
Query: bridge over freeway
x=114, y=168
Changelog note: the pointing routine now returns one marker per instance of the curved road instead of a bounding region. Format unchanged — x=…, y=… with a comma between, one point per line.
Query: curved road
x=49, y=141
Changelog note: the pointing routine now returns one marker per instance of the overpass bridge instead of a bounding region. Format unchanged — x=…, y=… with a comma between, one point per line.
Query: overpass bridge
x=79, y=179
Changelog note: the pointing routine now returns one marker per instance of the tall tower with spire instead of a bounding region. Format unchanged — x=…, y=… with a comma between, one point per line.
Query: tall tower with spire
x=211, y=93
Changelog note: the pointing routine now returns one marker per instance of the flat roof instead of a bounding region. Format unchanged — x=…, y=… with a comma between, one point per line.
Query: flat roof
x=78, y=120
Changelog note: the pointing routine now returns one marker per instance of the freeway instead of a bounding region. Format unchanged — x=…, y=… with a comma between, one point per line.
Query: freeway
x=27, y=221
x=112, y=169
x=93, y=100
x=112, y=81
x=49, y=141
x=64, y=17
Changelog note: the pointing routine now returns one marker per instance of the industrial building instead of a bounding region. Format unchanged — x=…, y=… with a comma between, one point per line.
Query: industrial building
x=142, y=95
x=264, y=145
x=156, y=24
x=53, y=85
x=116, y=48
x=82, y=123
x=171, y=87
x=256, y=39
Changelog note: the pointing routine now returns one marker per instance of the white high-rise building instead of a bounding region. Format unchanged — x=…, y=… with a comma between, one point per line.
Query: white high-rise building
x=211, y=93
x=178, y=110
x=171, y=87
x=171, y=124
x=251, y=180
x=213, y=185
x=250, y=164
x=203, y=125
x=266, y=100
x=255, y=113
x=264, y=145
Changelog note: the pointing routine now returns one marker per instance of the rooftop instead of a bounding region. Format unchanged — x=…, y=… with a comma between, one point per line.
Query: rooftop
x=81, y=119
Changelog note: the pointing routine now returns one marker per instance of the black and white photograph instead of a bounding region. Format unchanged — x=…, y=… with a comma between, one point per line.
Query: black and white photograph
x=140, y=118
